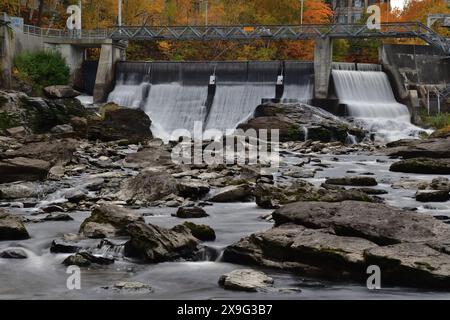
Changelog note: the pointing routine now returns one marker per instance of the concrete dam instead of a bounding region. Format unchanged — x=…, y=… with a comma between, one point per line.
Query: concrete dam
x=221, y=95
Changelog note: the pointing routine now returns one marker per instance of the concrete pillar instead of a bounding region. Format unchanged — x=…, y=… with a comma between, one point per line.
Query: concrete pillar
x=6, y=54
x=74, y=56
x=109, y=55
x=323, y=55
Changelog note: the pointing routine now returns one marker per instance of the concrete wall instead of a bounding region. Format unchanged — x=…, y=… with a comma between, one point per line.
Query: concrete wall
x=323, y=55
x=414, y=69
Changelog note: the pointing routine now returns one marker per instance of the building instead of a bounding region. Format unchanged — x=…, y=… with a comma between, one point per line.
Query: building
x=351, y=11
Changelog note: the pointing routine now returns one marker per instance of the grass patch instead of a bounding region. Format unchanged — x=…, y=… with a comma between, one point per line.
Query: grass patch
x=439, y=121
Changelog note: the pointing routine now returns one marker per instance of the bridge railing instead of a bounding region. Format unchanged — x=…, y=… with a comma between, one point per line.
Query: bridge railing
x=65, y=34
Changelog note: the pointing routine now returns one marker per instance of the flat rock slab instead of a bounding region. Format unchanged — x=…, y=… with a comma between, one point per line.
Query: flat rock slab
x=245, y=280
x=353, y=181
x=422, y=165
x=375, y=222
x=23, y=169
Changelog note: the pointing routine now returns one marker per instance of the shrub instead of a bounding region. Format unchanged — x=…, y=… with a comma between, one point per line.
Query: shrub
x=438, y=121
x=42, y=69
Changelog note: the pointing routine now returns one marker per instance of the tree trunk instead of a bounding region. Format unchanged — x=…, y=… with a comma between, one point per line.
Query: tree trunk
x=40, y=12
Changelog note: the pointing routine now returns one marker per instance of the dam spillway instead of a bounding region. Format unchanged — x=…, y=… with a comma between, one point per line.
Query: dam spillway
x=220, y=95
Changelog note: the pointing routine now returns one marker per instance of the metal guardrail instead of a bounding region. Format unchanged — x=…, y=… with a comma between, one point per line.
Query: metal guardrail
x=246, y=32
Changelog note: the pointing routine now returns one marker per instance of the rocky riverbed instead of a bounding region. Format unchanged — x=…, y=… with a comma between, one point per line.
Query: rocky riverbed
x=96, y=190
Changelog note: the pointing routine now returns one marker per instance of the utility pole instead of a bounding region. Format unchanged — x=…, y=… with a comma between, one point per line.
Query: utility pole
x=301, y=11
x=119, y=19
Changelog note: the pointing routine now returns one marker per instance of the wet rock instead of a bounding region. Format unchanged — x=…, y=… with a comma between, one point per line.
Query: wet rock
x=53, y=151
x=192, y=189
x=191, y=213
x=378, y=223
x=239, y=193
x=52, y=209
x=66, y=245
x=56, y=173
x=272, y=196
x=62, y=129
x=201, y=232
x=61, y=91
x=85, y=259
x=422, y=165
x=430, y=148
x=75, y=196
x=123, y=123
x=245, y=280
x=23, y=169
x=110, y=217
x=11, y=227
x=433, y=196
x=440, y=183
x=357, y=181
x=409, y=184
x=402, y=262
x=21, y=190
x=373, y=191
x=155, y=244
x=13, y=254
x=94, y=184
x=133, y=286
x=296, y=247
x=148, y=186
x=58, y=217
x=294, y=120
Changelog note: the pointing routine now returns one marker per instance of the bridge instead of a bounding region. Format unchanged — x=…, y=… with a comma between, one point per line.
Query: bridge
x=252, y=32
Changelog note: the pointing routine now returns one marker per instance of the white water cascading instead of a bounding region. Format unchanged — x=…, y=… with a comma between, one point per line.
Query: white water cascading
x=370, y=101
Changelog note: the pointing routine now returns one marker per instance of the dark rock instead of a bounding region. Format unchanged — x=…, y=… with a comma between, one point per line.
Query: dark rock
x=13, y=254
x=430, y=148
x=433, y=196
x=64, y=246
x=131, y=124
x=116, y=219
x=52, y=209
x=239, y=193
x=422, y=165
x=12, y=227
x=58, y=217
x=85, y=259
x=201, y=232
x=192, y=189
x=23, y=169
x=191, y=213
x=353, y=181
x=155, y=244
x=75, y=196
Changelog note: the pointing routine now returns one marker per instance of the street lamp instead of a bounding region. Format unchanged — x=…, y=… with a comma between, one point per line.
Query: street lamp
x=301, y=11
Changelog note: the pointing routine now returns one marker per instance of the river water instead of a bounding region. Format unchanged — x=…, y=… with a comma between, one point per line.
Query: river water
x=42, y=276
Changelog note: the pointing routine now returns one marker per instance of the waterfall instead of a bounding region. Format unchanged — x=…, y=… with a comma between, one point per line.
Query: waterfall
x=298, y=81
x=176, y=95
x=370, y=101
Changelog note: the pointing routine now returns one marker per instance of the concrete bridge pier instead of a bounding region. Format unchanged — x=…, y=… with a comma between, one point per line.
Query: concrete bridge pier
x=109, y=55
x=6, y=43
x=323, y=56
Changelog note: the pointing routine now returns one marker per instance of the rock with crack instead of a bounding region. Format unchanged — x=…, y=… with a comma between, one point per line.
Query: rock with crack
x=239, y=193
x=85, y=259
x=201, y=232
x=23, y=169
x=154, y=244
x=193, y=189
x=109, y=220
x=148, y=186
x=11, y=227
x=245, y=280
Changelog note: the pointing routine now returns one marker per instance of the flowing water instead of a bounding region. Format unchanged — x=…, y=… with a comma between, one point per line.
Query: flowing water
x=369, y=100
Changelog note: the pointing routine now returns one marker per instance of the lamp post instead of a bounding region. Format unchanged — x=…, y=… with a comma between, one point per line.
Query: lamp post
x=206, y=13
x=301, y=11
x=119, y=19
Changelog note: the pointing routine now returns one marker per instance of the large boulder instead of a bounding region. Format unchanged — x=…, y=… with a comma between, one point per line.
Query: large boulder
x=155, y=244
x=335, y=240
x=109, y=220
x=422, y=165
x=23, y=169
x=430, y=148
x=148, y=186
x=298, y=122
x=239, y=193
x=61, y=91
x=194, y=189
x=130, y=124
x=36, y=114
x=11, y=227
